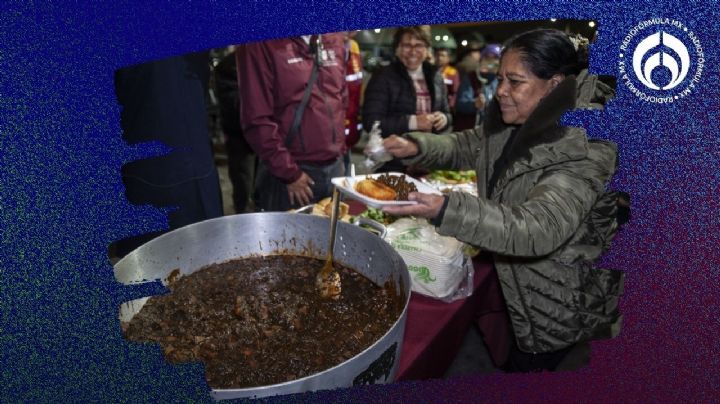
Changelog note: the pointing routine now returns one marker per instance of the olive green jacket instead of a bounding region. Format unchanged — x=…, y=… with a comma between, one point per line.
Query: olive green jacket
x=548, y=219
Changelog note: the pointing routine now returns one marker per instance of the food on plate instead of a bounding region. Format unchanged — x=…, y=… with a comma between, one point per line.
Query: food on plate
x=453, y=177
x=376, y=190
x=386, y=187
x=324, y=208
x=378, y=216
x=399, y=184
x=259, y=320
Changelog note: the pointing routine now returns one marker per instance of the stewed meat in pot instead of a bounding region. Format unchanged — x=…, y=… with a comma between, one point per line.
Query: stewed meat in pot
x=258, y=321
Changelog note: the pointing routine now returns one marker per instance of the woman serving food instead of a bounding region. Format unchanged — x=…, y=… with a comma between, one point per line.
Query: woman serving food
x=542, y=208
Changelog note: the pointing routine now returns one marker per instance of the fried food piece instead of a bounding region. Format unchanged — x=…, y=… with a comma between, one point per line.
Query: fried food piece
x=344, y=208
x=376, y=190
x=324, y=208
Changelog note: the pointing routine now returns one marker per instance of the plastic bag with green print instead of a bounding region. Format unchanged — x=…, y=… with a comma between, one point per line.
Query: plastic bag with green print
x=440, y=267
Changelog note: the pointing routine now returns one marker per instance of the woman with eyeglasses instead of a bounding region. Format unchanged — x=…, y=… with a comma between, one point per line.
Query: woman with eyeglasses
x=409, y=94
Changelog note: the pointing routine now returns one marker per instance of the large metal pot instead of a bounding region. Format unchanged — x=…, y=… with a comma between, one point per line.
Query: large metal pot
x=217, y=240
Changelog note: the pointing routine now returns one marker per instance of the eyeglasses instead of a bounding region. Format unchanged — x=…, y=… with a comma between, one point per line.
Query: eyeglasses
x=417, y=47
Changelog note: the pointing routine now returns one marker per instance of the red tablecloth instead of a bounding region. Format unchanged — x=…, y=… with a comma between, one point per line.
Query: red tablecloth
x=435, y=330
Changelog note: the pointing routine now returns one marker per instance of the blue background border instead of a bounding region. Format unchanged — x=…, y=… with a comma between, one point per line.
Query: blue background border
x=62, y=200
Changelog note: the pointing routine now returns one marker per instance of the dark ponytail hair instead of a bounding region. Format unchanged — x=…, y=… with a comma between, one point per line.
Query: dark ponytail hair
x=547, y=52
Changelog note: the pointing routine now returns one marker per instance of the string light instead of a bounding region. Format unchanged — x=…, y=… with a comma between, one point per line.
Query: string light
x=591, y=24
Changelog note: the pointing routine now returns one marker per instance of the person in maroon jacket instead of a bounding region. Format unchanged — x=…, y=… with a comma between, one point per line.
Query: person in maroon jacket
x=296, y=166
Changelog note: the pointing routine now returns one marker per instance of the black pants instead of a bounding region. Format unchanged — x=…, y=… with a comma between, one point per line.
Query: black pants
x=271, y=192
x=523, y=362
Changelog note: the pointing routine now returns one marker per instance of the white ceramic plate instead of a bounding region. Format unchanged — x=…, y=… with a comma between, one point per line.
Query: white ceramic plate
x=346, y=185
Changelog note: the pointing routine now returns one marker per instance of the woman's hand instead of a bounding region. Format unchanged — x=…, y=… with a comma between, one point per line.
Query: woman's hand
x=439, y=120
x=425, y=122
x=428, y=206
x=300, y=191
x=400, y=147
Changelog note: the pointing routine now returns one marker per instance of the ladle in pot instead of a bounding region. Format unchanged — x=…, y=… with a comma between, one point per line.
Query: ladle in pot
x=328, y=280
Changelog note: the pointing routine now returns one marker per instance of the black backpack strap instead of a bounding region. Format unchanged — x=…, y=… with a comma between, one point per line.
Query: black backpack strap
x=301, y=108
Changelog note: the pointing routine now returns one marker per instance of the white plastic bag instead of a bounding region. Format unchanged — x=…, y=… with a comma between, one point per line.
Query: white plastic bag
x=438, y=267
x=377, y=155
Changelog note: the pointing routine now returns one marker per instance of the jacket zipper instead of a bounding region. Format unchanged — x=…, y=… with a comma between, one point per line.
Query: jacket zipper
x=512, y=269
x=525, y=307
